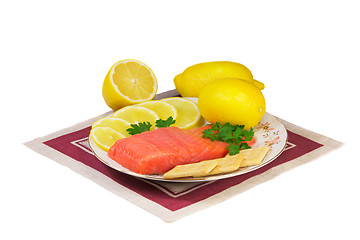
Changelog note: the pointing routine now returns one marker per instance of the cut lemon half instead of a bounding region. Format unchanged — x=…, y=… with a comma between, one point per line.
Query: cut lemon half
x=163, y=109
x=128, y=82
x=137, y=114
x=119, y=125
x=105, y=137
x=188, y=114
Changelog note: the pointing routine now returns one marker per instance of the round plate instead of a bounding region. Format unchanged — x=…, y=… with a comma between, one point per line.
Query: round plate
x=268, y=132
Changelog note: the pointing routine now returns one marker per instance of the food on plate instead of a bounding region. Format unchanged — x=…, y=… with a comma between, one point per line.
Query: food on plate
x=198, y=169
x=246, y=158
x=194, y=78
x=105, y=137
x=148, y=115
x=235, y=136
x=146, y=126
x=205, y=168
x=158, y=151
x=232, y=100
x=188, y=114
x=128, y=82
x=136, y=114
x=168, y=136
x=119, y=125
x=227, y=164
x=254, y=156
x=163, y=109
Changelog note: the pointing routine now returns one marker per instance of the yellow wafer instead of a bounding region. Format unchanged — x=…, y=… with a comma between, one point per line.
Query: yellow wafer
x=253, y=156
x=191, y=170
x=227, y=164
x=245, y=158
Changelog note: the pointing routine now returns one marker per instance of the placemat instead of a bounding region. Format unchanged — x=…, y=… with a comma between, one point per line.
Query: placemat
x=172, y=201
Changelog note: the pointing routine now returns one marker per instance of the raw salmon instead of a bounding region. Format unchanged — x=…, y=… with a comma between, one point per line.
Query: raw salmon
x=157, y=151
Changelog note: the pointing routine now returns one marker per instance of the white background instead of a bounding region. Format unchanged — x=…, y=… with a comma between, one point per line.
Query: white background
x=54, y=57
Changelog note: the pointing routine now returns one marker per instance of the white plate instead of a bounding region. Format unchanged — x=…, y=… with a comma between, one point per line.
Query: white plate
x=268, y=132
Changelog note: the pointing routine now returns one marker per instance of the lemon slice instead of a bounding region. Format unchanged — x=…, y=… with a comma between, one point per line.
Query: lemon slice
x=105, y=137
x=119, y=125
x=188, y=114
x=136, y=114
x=162, y=109
x=128, y=82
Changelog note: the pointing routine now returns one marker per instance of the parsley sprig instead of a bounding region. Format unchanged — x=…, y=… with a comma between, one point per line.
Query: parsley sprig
x=145, y=126
x=139, y=128
x=235, y=136
x=164, y=123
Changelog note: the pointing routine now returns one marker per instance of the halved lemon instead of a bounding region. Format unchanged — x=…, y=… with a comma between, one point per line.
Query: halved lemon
x=105, y=137
x=136, y=114
x=188, y=114
x=128, y=82
x=162, y=109
x=119, y=125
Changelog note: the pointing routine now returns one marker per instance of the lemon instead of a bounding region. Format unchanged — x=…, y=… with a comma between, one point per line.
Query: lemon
x=232, y=100
x=105, y=137
x=128, y=82
x=119, y=125
x=163, y=109
x=135, y=114
x=194, y=78
x=188, y=114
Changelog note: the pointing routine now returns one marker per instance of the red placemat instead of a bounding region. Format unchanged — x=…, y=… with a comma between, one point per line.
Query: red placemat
x=171, y=201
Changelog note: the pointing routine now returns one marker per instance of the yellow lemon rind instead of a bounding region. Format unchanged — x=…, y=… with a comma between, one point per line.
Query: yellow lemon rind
x=99, y=143
x=112, y=71
x=116, y=114
x=113, y=96
x=99, y=123
x=197, y=117
x=173, y=109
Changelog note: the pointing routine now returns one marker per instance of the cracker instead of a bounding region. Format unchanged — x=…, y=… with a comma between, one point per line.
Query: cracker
x=245, y=158
x=253, y=156
x=199, y=169
x=227, y=164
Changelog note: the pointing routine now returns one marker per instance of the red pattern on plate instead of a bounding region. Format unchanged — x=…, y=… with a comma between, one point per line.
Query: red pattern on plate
x=173, y=196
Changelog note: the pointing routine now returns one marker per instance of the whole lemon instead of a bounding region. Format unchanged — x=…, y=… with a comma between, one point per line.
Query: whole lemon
x=194, y=78
x=232, y=100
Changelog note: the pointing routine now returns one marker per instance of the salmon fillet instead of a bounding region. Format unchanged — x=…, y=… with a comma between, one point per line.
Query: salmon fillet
x=158, y=151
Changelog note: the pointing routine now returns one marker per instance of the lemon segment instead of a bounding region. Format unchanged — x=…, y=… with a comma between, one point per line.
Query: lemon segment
x=232, y=100
x=119, y=125
x=188, y=114
x=163, y=109
x=128, y=82
x=135, y=114
x=105, y=137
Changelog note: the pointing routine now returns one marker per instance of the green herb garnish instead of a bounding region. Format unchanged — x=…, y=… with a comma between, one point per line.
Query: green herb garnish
x=165, y=123
x=139, y=128
x=235, y=136
x=145, y=126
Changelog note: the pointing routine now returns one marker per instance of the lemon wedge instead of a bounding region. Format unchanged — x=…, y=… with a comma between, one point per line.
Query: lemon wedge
x=135, y=114
x=188, y=114
x=105, y=137
x=128, y=82
x=163, y=109
x=119, y=125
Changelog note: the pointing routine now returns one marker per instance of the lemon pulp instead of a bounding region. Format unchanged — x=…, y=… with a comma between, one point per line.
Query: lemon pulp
x=128, y=82
x=188, y=114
